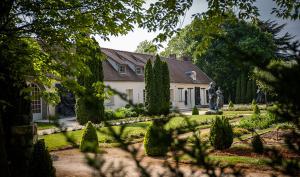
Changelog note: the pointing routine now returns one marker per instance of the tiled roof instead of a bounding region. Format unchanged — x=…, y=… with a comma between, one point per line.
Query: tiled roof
x=178, y=68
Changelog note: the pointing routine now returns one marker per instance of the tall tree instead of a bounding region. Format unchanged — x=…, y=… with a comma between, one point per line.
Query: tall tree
x=166, y=88
x=157, y=82
x=238, y=91
x=243, y=88
x=90, y=103
x=146, y=47
x=249, y=91
x=149, y=88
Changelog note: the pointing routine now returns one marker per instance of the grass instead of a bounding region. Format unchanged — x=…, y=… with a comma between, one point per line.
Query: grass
x=43, y=126
x=131, y=131
x=233, y=160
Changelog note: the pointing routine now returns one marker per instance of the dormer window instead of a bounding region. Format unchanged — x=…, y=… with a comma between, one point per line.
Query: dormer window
x=192, y=75
x=139, y=70
x=122, y=69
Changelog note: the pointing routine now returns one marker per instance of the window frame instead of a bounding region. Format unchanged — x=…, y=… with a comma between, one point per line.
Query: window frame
x=120, y=70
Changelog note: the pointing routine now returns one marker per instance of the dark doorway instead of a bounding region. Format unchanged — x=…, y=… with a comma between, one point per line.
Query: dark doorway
x=197, y=96
x=185, y=97
x=67, y=102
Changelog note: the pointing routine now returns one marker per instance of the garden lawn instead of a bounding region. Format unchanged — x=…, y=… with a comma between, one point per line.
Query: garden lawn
x=43, y=126
x=130, y=132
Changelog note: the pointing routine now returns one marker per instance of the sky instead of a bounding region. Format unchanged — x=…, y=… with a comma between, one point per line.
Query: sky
x=130, y=41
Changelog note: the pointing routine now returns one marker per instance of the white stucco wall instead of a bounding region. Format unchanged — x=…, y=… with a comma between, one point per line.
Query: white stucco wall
x=138, y=88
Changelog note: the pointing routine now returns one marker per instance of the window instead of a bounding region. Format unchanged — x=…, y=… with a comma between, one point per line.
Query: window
x=171, y=95
x=180, y=94
x=129, y=93
x=139, y=70
x=35, y=99
x=122, y=69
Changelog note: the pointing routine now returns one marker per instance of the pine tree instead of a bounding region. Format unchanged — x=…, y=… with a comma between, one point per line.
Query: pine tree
x=166, y=88
x=149, y=87
x=157, y=77
x=238, y=91
x=243, y=88
x=249, y=91
x=89, y=107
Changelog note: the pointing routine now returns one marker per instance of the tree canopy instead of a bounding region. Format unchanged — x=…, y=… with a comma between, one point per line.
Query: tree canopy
x=146, y=47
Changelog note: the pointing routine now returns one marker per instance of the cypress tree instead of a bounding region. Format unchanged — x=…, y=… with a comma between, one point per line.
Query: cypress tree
x=243, y=88
x=149, y=101
x=157, y=81
x=166, y=88
x=238, y=91
x=249, y=91
x=89, y=107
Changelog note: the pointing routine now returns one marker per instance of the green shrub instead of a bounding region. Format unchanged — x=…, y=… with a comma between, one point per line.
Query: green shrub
x=230, y=106
x=81, y=113
x=256, y=109
x=109, y=114
x=237, y=131
x=41, y=162
x=257, y=144
x=195, y=111
x=253, y=103
x=89, y=140
x=257, y=121
x=221, y=134
x=156, y=140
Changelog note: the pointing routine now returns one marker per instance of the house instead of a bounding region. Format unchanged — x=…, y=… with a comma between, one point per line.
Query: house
x=124, y=72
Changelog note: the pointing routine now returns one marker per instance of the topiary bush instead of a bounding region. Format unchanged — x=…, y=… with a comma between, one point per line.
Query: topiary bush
x=256, y=109
x=237, y=131
x=253, y=103
x=156, y=140
x=221, y=134
x=230, y=105
x=89, y=140
x=257, y=144
x=195, y=111
x=41, y=162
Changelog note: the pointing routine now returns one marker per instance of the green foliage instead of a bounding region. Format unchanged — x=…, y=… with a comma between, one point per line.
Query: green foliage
x=238, y=91
x=149, y=88
x=237, y=131
x=156, y=140
x=249, y=91
x=256, y=109
x=257, y=144
x=195, y=111
x=146, y=47
x=41, y=162
x=221, y=134
x=243, y=88
x=253, y=103
x=158, y=87
x=230, y=105
x=90, y=106
x=165, y=88
x=258, y=121
x=89, y=140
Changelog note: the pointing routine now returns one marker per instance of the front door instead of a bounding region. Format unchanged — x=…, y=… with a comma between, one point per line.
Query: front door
x=197, y=96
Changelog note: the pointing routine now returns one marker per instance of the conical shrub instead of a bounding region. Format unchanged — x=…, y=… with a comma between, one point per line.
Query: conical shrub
x=89, y=140
x=195, y=111
x=221, y=134
x=230, y=105
x=256, y=109
x=257, y=144
x=41, y=162
x=156, y=140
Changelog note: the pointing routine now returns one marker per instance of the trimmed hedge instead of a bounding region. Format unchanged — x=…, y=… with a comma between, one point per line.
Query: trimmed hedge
x=89, y=140
x=41, y=162
x=157, y=140
x=221, y=134
x=195, y=111
x=257, y=144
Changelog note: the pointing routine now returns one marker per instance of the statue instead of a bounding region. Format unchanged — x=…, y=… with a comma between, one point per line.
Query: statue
x=220, y=98
x=260, y=96
x=212, y=96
